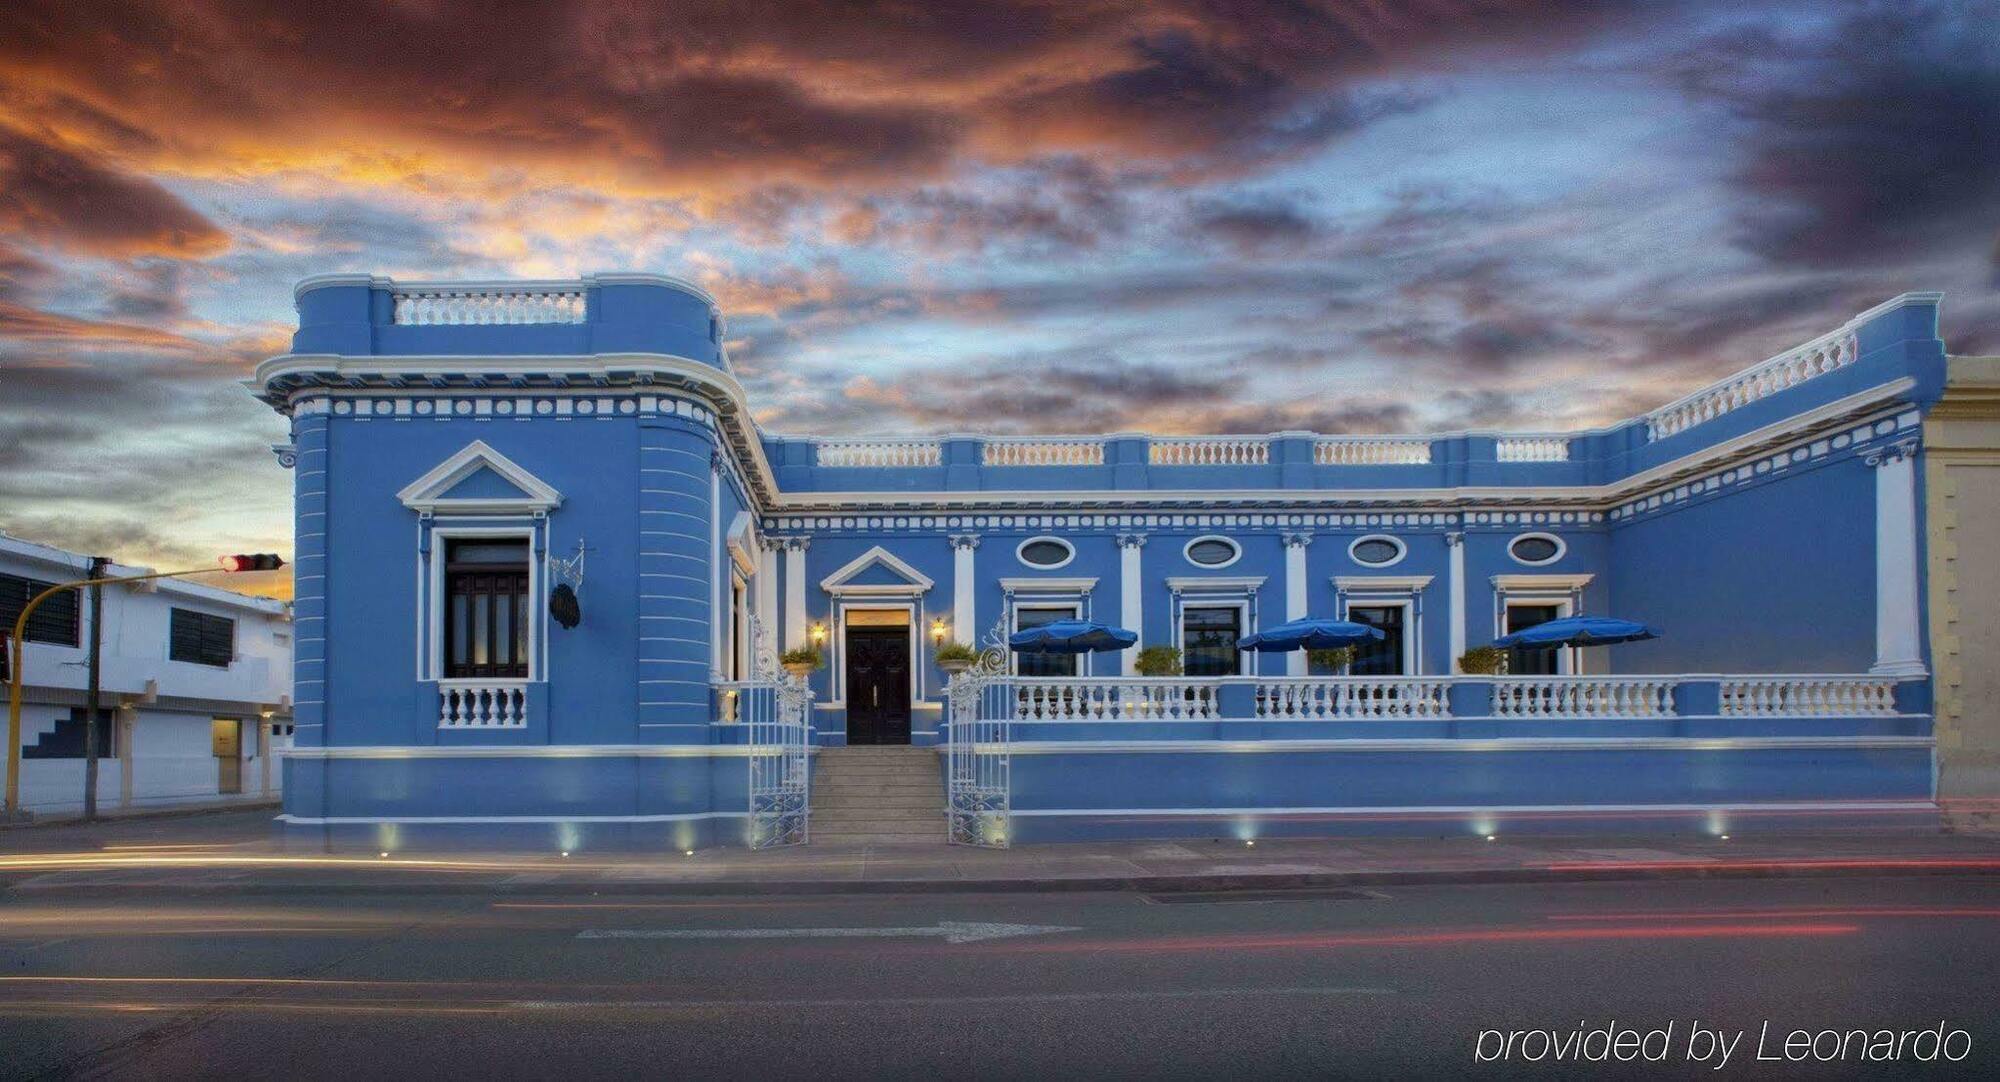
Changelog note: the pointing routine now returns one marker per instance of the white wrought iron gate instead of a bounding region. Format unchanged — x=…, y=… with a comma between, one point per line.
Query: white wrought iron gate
x=978, y=789
x=776, y=712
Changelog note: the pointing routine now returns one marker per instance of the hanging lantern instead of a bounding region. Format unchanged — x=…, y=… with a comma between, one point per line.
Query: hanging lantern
x=563, y=606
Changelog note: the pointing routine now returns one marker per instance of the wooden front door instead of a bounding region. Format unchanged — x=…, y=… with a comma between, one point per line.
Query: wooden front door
x=878, y=685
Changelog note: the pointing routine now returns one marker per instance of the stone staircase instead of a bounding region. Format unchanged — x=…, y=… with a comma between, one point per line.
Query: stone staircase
x=877, y=796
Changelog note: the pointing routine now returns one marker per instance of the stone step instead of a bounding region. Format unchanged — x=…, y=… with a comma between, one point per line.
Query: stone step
x=841, y=777
x=877, y=800
x=844, y=814
x=915, y=825
x=885, y=840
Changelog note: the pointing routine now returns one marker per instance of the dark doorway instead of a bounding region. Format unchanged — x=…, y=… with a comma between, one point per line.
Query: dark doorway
x=1532, y=660
x=1383, y=656
x=878, y=685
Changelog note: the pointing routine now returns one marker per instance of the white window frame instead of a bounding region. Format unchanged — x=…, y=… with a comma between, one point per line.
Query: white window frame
x=1565, y=606
x=1562, y=548
x=1243, y=628
x=432, y=608
x=1413, y=616
x=1014, y=607
x=740, y=646
x=1234, y=545
x=1065, y=543
x=1402, y=550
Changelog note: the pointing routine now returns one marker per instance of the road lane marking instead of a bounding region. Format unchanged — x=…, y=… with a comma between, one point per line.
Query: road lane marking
x=945, y=1001
x=952, y=931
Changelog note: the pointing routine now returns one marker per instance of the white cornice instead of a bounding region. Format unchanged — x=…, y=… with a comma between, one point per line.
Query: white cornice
x=427, y=493
x=508, y=285
x=726, y=394
x=1027, y=584
x=1197, y=583
x=1541, y=582
x=1361, y=584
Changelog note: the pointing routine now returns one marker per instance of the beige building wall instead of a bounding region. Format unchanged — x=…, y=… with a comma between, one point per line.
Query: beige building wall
x=1962, y=487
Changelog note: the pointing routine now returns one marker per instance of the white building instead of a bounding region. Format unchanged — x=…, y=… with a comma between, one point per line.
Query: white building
x=194, y=683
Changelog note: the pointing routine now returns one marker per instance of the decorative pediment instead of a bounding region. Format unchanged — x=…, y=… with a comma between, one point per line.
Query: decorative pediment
x=879, y=572
x=742, y=541
x=479, y=480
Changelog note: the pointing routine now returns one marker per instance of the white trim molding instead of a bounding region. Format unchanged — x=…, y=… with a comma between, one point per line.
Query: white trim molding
x=427, y=493
x=916, y=581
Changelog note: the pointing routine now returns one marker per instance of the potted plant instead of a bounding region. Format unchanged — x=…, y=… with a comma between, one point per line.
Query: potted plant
x=1483, y=661
x=956, y=657
x=1158, y=661
x=1331, y=660
x=801, y=661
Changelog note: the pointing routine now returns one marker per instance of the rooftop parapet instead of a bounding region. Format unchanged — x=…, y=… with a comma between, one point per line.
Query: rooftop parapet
x=361, y=315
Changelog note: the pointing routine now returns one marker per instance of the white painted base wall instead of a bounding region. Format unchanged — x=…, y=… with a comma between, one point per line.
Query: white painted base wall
x=172, y=763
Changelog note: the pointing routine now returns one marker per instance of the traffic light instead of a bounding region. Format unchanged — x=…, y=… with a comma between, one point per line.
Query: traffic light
x=255, y=561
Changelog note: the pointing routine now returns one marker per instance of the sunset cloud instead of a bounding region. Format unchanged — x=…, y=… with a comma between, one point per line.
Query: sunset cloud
x=997, y=215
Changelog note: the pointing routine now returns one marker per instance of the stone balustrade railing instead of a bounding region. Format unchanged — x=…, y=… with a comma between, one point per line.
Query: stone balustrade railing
x=879, y=453
x=1142, y=698
x=1324, y=699
x=1029, y=451
x=1808, y=696
x=482, y=704
x=1789, y=369
x=1531, y=449
x=1583, y=697
x=1371, y=451
x=424, y=306
x=1210, y=451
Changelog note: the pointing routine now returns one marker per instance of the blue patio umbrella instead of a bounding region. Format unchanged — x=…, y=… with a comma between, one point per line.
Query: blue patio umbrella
x=1071, y=637
x=1579, y=631
x=1310, y=634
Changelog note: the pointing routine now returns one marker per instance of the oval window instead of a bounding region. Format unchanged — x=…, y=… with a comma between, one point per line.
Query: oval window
x=1044, y=552
x=1212, y=551
x=1376, y=551
x=1535, y=548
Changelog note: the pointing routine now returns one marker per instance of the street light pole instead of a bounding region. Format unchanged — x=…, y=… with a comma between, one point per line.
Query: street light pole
x=98, y=565
x=261, y=562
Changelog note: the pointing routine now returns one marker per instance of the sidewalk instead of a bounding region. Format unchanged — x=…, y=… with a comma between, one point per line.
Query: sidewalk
x=238, y=852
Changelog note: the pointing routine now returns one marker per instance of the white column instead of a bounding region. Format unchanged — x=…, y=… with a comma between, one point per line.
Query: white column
x=766, y=602
x=1455, y=541
x=1295, y=594
x=795, y=592
x=964, y=592
x=1898, y=644
x=718, y=577
x=1131, y=598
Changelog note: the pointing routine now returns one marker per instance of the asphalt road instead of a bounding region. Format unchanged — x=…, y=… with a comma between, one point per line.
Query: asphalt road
x=170, y=985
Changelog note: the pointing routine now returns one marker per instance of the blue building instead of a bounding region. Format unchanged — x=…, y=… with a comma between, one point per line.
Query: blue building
x=465, y=450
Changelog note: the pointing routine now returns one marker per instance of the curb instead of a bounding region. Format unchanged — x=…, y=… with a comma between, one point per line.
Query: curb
x=512, y=886
x=31, y=821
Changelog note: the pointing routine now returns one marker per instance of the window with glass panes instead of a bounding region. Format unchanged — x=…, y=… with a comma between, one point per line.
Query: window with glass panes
x=1208, y=640
x=56, y=620
x=1043, y=664
x=486, y=608
x=1532, y=660
x=1384, y=656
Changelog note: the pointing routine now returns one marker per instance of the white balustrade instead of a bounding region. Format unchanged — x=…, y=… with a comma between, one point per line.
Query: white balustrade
x=1160, y=699
x=483, y=704
x=456, y=306
x=1370, y=451
x=1000, y=451
x=1335, y=698
x=1584, y=696
x=879, y=454
x=1210, y=451
x=1808, y=697
x=1789, y=369
x=1532, y=448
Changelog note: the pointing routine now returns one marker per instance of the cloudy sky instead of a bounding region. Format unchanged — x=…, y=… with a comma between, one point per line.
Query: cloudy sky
x=1071, y=216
